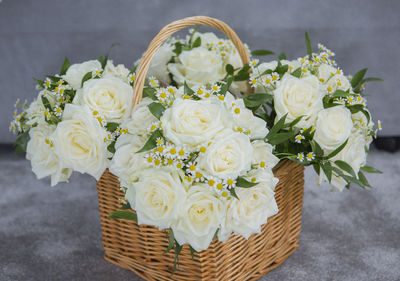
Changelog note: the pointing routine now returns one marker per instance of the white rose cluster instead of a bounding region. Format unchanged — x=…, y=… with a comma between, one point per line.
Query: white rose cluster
x=73, y=123
x=200, y=59
x=314, y=94
x=200, y=166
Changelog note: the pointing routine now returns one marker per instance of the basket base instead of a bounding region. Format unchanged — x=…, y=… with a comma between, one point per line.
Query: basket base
x=141, y=272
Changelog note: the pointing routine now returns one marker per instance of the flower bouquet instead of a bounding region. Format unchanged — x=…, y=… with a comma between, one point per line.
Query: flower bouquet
x=200, y=165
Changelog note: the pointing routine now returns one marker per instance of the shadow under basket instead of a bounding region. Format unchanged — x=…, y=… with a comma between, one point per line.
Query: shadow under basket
x=140, y=248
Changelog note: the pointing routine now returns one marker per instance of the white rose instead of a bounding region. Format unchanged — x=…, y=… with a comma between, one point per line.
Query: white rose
x=118, y=71
x=340, y=82
x=193, y=122
x=201, y=214
x=298, y=97
x=198, y=66
x=255, y=205
x=245, y=119
x=79, y=141
x=267, y=65
x=333, y=127
x=43, y=159
x=158, y=65
x=326, y=72
x=292, y=64
x=108, y=95
x=353, y=154
x=157, y=197
x=126, y=162
x=141, y=118
x=262, y=152
x=76, y=72
x=228, y=157
x=35, y=112
x=207, y=39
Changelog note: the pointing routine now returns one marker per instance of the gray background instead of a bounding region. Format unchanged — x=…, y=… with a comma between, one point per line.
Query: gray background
x=35, y=35
x=54, y=234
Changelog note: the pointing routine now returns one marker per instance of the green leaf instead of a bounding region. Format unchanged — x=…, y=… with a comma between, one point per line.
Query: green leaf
x=351, y=179
x=86, y=77
x=242, y=76
x=157, y=109
x=356, y=108
x=46, y=102
x=369, y=169
x=111, y=147
x=54, y=78
x=126, y=206
x=178, y=48
x=294, y=122
x=345, y=167
x=151, y=142
x=177, y=250
x=225, y=86
x=308, y=45
x=316, y=148
x=171, y=240
x=112, y=126
x=257, y=99
x=279, y=125
x=149, y=92
x=261, y=53
x=340, y=93
x=327, y=168
x=65, y=66
x=126, y=215
x=337, y=150
x=317, y=168
x=242, y=182
x=280, y=138
x=187, y=90
x=363, y=179
x=357, y=78
x=197, y=42
x=281, y=69
x=21, y=142
x=233, y=193
x=282, y=56
x=297, y=72
x=229, y=69
x=371, y=79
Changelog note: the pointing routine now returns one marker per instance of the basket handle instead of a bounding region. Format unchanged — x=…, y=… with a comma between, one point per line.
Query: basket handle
x=166, y=32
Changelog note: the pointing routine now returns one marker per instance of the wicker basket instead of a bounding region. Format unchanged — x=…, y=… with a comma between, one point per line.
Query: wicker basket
x=140, y=248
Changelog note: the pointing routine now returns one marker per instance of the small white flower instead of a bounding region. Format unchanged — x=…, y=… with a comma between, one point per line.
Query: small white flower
x=310, y=156
x=215, y=88
x=379, y=125
x=300, y=156
x=153, y=81
x=299, y=138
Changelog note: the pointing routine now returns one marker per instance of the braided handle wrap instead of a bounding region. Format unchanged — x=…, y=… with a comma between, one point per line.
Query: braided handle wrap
x=170, y=29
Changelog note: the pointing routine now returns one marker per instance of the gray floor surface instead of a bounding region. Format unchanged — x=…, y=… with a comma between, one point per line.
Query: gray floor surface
x=54, y=233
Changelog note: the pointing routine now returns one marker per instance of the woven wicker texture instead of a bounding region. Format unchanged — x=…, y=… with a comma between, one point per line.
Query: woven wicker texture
x=141, y=248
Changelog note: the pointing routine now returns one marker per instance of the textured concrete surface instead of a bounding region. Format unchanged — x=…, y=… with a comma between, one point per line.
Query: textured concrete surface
x=54, y=233
x=35, y=35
